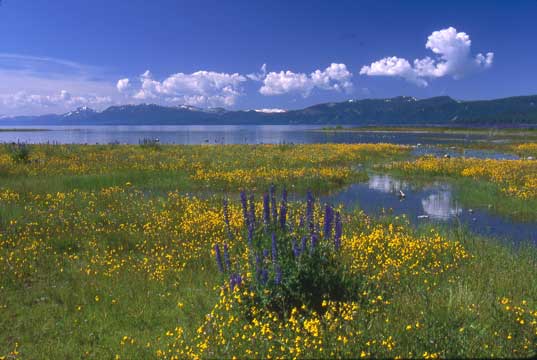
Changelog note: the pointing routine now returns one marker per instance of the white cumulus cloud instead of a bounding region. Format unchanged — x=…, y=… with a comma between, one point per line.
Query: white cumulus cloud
x=453, y=58
x=123, y=85
x=394, y=66
x=335, y=77
x=207, y=88
x=285, y=82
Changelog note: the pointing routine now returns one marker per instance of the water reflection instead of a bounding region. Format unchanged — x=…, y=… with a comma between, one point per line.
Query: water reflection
x=435, y=202
x=386, y=184
x=440, y=205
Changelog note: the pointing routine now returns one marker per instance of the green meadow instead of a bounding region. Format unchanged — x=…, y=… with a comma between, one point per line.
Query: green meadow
x=151, y=251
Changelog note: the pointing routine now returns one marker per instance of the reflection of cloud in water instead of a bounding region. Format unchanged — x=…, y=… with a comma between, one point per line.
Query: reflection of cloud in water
x=385, y=184
x=440, y=205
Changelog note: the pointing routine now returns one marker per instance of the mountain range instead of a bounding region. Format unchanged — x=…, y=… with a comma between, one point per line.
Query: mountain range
x=401, y=110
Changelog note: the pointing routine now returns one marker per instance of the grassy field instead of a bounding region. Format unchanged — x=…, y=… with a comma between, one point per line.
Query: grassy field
x=112, y=252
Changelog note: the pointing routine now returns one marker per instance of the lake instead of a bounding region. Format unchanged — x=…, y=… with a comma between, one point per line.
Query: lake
x=224, y=134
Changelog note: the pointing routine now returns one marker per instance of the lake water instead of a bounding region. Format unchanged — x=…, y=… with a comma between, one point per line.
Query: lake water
x=225, y=134
x=432, y=203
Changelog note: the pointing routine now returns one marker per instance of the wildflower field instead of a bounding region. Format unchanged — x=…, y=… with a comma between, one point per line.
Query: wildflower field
x=134, y=252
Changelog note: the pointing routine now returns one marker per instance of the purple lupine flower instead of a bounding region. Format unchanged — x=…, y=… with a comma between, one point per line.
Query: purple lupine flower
x=304, y=244
x=314, y=241
x=235, y=279
x=227, y=260
x=284, y=195
x=264, y=276
x=244, y=203
x=273, y=203
x=218, y=258
x=328, y=218
x=283, y=214
x=232, y=281
x=252, y=210
x=250, y=235
x=309, y=211
x=277, y=274
x=258, y=266
x=266, y=208
x=274, y=249
x=338, y=232
x=265, y=253
x=301, y=222
x=296, y=250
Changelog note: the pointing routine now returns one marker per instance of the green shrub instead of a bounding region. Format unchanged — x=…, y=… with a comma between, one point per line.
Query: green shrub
x=19, y=152
x=291, y=267
x=150, y=143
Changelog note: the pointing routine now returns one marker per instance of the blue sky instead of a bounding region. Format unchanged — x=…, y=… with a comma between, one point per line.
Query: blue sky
x=56, y=55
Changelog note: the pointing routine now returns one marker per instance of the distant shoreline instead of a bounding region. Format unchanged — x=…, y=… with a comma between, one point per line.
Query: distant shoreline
x=22, y=130
x=428, y=130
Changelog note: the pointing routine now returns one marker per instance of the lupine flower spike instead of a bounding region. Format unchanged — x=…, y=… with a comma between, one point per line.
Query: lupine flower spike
x=296, y=250
x=338, y=231
x=283, y=215
x=274, y=249
x=304, y=244
x=218, y=256
x=328, y=218
x=266, y=209
x=244, y=203
x=278, y=274
x=252, y=211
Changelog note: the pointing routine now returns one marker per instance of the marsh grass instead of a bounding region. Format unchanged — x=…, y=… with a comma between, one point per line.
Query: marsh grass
x=478, y=193
x=189, y=168
x=482, y=194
